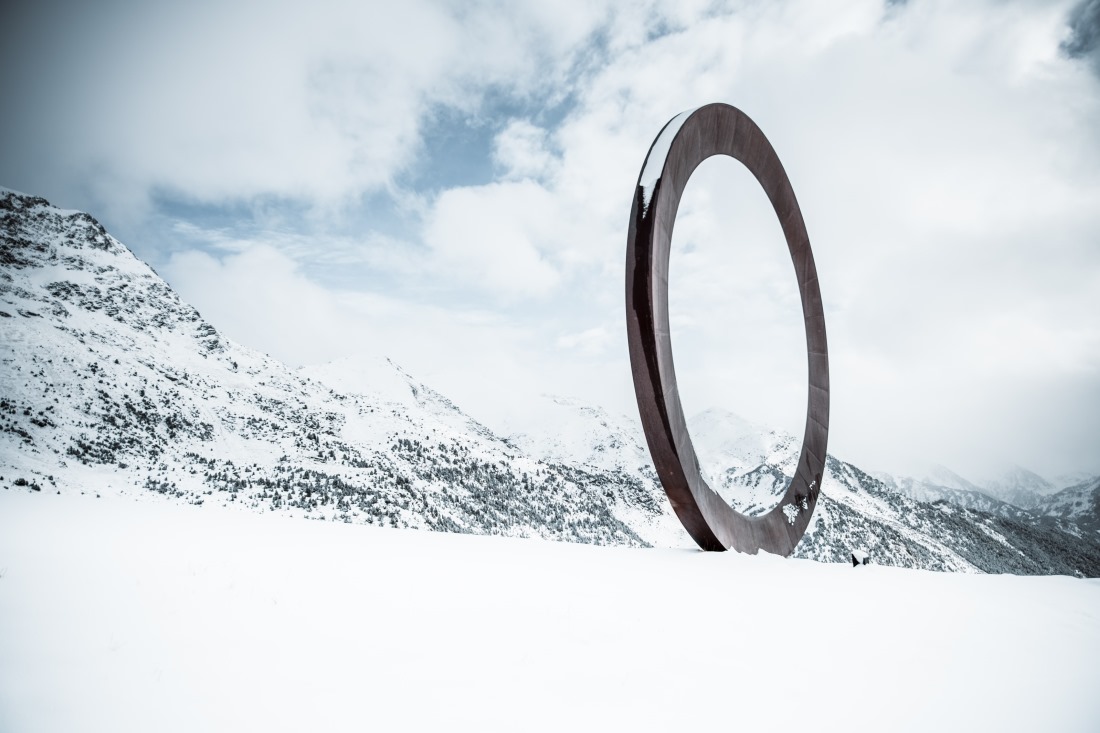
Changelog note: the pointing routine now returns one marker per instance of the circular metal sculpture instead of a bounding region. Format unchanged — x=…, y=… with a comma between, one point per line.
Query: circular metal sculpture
x=686, y=141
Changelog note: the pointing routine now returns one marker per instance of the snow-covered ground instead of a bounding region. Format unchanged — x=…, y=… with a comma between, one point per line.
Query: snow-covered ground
x=126, y=615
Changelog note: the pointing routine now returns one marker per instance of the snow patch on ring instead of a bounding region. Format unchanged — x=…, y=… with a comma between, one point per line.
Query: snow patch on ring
x=655, y=161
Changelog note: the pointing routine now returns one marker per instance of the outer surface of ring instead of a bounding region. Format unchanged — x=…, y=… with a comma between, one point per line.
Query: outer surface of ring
x=685, y=142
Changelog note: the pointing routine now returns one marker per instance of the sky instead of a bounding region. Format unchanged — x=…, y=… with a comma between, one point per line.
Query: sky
x=449, y=185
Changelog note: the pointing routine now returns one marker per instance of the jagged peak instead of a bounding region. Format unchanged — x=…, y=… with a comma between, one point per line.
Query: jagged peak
x=25, y=198
x=64, y=264
x=32, y=225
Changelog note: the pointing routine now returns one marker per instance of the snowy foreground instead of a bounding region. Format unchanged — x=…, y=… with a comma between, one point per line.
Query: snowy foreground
x=125, y=615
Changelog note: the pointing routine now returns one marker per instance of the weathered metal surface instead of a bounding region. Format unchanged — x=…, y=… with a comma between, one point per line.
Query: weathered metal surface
x=685, y=142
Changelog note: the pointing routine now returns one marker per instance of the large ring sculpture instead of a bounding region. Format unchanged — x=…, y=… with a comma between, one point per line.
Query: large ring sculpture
x=686, y=141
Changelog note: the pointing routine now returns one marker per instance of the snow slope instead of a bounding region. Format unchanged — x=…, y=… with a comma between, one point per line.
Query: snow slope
x=123, y=615
x=570, y=431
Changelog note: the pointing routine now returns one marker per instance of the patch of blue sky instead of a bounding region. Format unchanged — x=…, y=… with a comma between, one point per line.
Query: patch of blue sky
x=457, y=144
x=353, y=245
x=333, y=249
x=658, y=29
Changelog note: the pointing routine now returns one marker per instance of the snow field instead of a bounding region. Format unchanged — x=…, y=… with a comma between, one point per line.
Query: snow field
x=124, y=615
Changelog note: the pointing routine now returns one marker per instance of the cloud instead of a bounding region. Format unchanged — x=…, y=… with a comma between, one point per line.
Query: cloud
x=591, y=341
x=486, y=362
x=213, y=101
x=260, y=298
x=945, y=156
x=496, y=237
x=946, y=160
x=1084, y=33
x=522, y=151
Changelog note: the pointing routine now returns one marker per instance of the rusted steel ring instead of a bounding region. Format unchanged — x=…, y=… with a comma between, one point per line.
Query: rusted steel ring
x=686, y=141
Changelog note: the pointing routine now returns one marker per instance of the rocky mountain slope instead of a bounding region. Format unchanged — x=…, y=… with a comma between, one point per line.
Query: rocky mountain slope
x=856, y=510
x=110, y=382
x=1079, y=503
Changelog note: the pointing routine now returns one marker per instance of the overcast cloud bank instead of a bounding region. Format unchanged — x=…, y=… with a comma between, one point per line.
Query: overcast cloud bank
x=450, y=185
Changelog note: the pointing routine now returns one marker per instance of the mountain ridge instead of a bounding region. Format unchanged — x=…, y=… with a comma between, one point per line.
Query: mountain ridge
x=112, y=382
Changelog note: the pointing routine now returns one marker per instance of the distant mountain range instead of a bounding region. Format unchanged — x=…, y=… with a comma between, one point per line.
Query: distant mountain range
x=111, y=384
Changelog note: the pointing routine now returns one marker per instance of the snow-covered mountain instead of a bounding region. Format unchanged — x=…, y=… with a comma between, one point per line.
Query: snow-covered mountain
x=958, y=491
x=110, y=383
x=1079, y=503
x=570, y=431
x=1019, y=486
x=855, y=509
x=1016, y=493
x=748, y=465
x=1013, y=485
